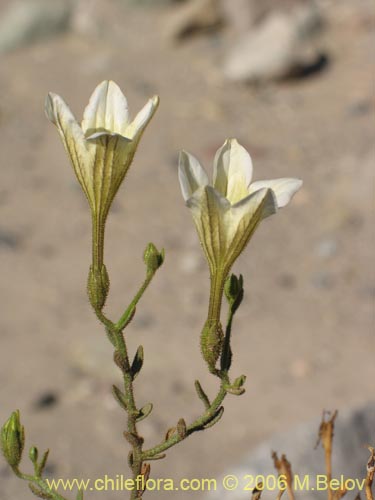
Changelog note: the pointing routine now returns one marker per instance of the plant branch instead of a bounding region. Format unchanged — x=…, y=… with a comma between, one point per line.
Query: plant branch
x=40, y=483
x=199, y=424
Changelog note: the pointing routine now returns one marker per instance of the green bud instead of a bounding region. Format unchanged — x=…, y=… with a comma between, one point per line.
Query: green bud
x=153, y=258
x=212, y=338
x=13, y=439
x=33, y=454
x=239, y=381
x=98, y=287
x=233, y=290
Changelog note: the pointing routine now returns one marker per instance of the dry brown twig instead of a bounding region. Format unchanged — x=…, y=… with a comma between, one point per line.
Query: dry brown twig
x=257, y=491
x=284, y=469
x=326, y=432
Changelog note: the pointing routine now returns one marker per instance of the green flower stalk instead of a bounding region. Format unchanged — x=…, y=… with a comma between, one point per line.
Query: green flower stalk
x=13, y=439
x=101, y=150
x=226, y=215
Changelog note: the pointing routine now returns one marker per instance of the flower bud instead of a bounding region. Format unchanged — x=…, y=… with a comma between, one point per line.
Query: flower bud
x=239, y=381
x=98, y=286
x=13, y=439
x=233, y=290
x=153, y=258
x=33, y=454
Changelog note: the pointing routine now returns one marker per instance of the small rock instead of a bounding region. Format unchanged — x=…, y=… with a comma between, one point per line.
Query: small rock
x=240, y=14
x=9, y=240
x=287, y=281
x=45, y=401
x=300, y=368
x=360, y=108
x=326, y=248
x=322, y=280
x=26, y=21
x=192, y=17
x=276, y=48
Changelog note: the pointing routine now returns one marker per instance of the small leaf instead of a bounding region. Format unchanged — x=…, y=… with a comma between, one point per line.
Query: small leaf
x=215, y=418
x=79, y=495
x=202, y=395
x=119, y=397
x=170, y=432
x=181, y=428
x=39, y=493
x=137, y=362
x=157, y=457
x=144, y=412
x=133, y=439
x=40, y=468
x=130, y=316
x=236, y=391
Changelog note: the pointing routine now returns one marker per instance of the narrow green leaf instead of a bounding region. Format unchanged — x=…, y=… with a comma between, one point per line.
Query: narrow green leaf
x=215, y=418
x=119, y=397
x=157, y=457
x=137, y=362
x=202, y=395
x=40, y=468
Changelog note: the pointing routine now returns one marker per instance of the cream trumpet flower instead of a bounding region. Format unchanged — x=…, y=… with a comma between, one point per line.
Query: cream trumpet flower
x=226, y=216
x=227, y=213
x=101, y=150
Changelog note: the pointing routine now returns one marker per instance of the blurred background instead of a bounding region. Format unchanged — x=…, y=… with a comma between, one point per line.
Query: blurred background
x=292, y=80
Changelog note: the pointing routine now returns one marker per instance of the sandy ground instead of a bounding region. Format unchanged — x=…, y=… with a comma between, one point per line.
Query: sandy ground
x=304, y=335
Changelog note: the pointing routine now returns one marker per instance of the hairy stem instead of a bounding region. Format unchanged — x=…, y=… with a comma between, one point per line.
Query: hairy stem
x=39, y=482
x=198, y=424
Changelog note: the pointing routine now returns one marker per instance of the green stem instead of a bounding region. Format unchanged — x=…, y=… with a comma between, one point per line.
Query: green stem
x=38, y=482
x=197, y=425
x=131, y=407
x=216, y=297
x=98, y=228
x=128, y=314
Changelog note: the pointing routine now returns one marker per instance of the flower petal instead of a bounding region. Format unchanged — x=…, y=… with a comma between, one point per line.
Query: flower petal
x=243, y=219
x=208, y=208
x=284, y=188
x=191, y=174
x=233, y=170
x=135, y=129
x=107, y=110
x=80, y=151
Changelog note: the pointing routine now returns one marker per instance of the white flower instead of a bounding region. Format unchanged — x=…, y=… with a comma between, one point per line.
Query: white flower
x=102, y=148
x=227, y=213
